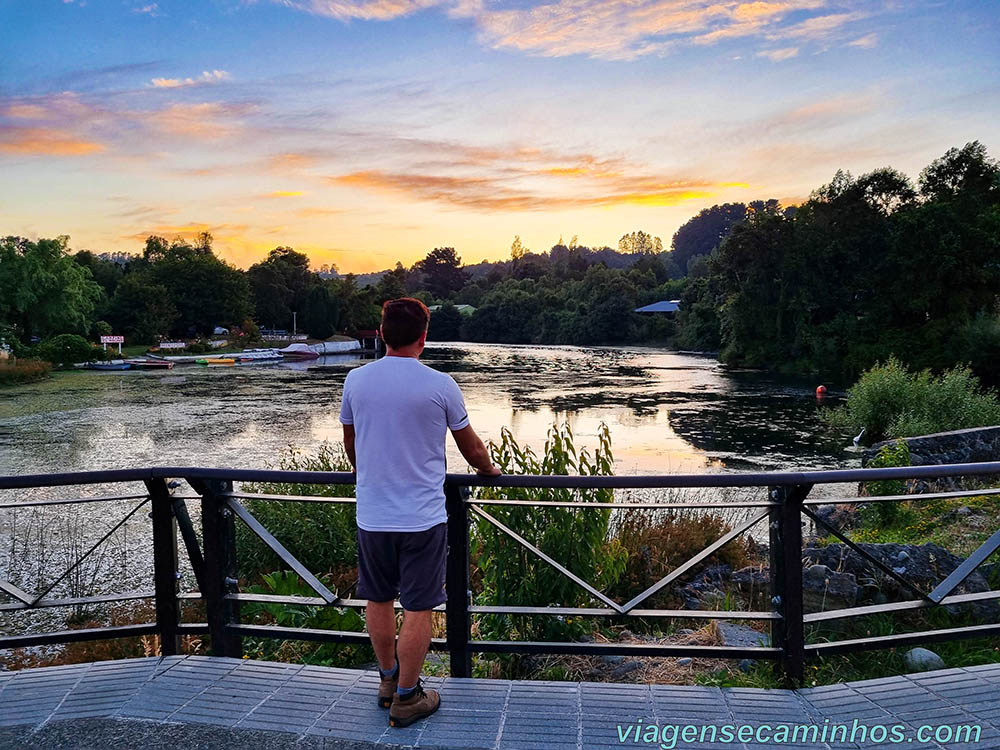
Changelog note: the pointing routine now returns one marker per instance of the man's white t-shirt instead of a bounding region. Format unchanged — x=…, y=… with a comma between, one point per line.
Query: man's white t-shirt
x=401, y=411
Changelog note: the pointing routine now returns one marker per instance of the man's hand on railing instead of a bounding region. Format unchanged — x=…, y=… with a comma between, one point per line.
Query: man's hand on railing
x=493, y=471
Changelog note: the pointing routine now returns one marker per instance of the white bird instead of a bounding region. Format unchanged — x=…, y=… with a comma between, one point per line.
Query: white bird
x=857, y=439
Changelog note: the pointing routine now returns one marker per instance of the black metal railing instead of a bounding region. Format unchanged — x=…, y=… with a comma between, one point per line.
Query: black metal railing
x=212, y=558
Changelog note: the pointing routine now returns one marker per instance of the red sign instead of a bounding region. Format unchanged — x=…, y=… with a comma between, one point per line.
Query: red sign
x=112, y=339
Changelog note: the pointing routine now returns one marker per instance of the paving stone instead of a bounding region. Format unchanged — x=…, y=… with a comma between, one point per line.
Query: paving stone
x=314, y=706
x=465, y=740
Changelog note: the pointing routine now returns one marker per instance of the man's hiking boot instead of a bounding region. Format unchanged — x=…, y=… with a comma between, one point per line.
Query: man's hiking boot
x=387, y=689
x=387, y=684
x=421, y=704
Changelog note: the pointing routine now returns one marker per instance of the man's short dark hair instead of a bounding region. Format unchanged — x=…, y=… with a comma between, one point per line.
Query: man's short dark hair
x=403, y=321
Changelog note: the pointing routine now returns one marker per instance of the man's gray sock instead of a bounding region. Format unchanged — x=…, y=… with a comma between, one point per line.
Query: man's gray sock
x=405, y=693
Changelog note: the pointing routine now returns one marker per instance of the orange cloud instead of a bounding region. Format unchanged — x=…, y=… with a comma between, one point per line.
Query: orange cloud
x=45, y=142
x=490, y=194
x=365, y=10
x=317, y=211
x=189, y=231
x=25, y=111
x=284, y=194
x=206, y=120
x=290, y=162
x=608, y=29
x=626, y=29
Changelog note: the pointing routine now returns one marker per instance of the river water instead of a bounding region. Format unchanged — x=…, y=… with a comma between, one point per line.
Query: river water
x=667, y=412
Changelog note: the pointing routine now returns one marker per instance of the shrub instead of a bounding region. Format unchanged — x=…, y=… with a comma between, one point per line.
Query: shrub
x=23, y=371
x=287, y=583
x=65, y=349
x=895, y=454
x=322, y=536
x=247, y=334
x=576, y=538
x=889, y=401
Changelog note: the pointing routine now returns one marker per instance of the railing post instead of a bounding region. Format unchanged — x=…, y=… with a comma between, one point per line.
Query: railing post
x=458, y=620
x=785, y=553
x=219, y=532
x=165, y=576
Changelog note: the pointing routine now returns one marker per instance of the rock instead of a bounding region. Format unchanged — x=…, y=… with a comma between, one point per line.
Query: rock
x=924, y=566
x=922, y=660
x=753, y=578
x=990, y=571
x=700, y=595
x=973, y=445
x=685, y=631
x=823, y=589
x=716, y=574
x=623, y=669
x=747, y=665
x=625, y=635
x=903, y=556
x=740, y=635
x=839, y=517
x=612, y=659
x=965, y=510
x=585, y=638
x=684, y=661
x=713, y=597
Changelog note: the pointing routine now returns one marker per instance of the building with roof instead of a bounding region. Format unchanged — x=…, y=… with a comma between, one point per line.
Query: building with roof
x=668, y=307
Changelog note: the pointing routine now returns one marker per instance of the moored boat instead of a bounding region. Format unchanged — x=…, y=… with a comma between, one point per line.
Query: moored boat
x=149, y=364
x=114, y=364
x=258, y=355
x=299, y=352
x=216, y=361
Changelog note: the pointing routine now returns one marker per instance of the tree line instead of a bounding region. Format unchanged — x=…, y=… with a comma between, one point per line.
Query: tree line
x=866, y=268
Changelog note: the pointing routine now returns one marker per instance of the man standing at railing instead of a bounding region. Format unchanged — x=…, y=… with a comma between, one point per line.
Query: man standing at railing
x=396, y=413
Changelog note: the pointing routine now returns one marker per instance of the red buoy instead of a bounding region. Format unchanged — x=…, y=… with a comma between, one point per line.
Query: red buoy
x=820, y=391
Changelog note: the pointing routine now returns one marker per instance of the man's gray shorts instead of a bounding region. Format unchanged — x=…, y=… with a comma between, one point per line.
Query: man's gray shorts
x=407, y=564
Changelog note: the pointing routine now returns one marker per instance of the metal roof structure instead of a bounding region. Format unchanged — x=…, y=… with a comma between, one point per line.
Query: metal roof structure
x=666, y=306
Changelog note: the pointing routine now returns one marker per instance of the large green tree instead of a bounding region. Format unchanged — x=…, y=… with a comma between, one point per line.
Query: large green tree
x=141, y=309
x=43, y=292
x=865, y=269
x=322, y=312
x=703, y=233
x=442, y=270
x=280, y=284
x=205, y=290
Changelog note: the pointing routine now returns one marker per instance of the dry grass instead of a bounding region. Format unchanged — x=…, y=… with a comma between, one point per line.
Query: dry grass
x=102, y=650
x=659, y=541
x=23, y=371
x=653, y=670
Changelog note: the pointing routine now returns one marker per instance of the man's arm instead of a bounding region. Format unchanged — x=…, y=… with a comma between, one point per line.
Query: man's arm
x=474, y=451
x=349, y=445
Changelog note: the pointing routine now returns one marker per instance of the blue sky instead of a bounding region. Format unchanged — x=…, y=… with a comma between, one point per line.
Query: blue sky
x=366, y=131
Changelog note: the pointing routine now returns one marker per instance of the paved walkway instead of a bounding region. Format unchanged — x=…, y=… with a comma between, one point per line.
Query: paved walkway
x=183, y=702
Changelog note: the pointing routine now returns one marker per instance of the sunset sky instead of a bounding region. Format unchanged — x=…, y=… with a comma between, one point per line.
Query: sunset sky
x=369, y=131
